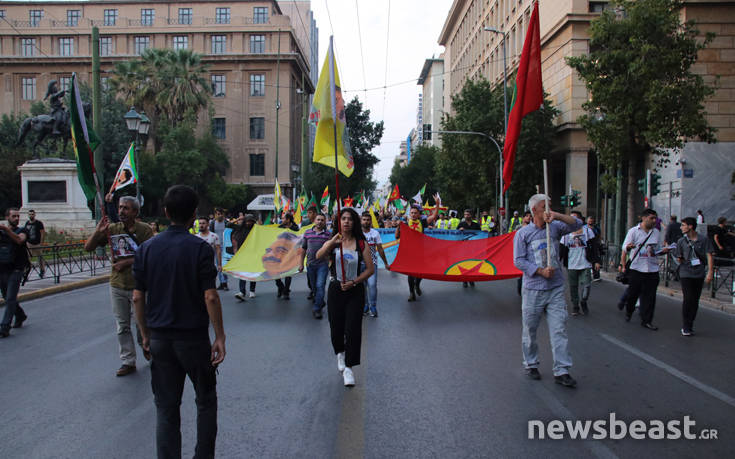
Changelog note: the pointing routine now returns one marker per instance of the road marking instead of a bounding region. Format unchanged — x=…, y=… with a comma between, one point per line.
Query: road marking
x=598, y=449
x=351, y=429
x=83, y=347
x=672, y=371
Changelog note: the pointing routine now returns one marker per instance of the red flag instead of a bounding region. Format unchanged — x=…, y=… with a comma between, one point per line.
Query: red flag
x=426, y=257
x=349, y=202
x=395, y=194
x=529, y=94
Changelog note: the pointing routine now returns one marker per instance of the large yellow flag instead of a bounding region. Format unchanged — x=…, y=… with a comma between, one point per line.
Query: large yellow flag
x=268, y=253
x=329, y=107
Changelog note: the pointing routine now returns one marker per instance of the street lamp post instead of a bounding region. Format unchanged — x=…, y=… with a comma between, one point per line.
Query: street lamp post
x=138, y=126
x=505, y=109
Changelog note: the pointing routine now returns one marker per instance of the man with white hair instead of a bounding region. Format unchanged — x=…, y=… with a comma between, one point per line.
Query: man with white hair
x=132, y=234
x=543, y=286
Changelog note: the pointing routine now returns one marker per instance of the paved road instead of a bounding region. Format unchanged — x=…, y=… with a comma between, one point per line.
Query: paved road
x=440, y=378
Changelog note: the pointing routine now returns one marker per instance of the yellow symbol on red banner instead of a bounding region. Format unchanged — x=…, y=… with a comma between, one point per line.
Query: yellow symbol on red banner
x=471, y=267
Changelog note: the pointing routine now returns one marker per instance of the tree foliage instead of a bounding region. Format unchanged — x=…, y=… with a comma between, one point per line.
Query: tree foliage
x=170, y=85
x=365, y=135
x=644, y=97
x=467, y=166
x=10, y=158
x=417, y=173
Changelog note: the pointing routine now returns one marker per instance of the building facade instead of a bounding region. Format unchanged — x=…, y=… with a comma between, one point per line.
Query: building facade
x=249, y=45
x=471, y=52
x=432, y=82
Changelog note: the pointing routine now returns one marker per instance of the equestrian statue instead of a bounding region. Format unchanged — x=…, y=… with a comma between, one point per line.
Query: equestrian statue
x=55, y=125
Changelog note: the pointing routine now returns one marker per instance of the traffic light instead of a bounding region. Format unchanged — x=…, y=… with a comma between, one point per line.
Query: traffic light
x=575, y=198
x=642, y=186
x=655, y=184
x=427, y=132
x=564, y=200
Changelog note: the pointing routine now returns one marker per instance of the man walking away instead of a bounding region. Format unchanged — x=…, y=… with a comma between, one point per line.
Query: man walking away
x=372, y=237
x=36, y=235
x=316, y=269
x=13, y=263
x=543, y=287
x=130, y=234
x=175, y=300
x=641, y=246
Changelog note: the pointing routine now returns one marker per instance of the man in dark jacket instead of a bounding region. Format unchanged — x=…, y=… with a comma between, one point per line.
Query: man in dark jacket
x=175, y=300
x=13, y=263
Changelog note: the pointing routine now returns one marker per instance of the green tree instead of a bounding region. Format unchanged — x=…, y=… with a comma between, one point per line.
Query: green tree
x=10, y=158
x=417, y=173
x=169, y=85
x=644, y=98
x=199, y=162
x=467, y=167
x=365, y=135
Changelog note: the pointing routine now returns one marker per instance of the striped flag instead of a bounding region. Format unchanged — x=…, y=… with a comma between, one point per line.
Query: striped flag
x=85, y=141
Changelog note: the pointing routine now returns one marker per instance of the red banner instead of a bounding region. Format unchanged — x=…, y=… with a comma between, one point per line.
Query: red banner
x=455, y=261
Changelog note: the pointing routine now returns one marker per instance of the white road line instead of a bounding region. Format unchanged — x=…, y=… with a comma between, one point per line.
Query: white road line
x=672, y=371
x=598, y=449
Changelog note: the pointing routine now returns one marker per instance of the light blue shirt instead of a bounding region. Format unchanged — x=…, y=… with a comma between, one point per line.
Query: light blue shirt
x=529, y=253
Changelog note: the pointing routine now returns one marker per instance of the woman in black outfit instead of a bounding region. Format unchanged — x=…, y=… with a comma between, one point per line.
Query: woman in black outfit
x=346, y=295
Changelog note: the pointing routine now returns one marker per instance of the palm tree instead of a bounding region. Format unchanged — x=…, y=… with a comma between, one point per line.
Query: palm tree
x=169, y=85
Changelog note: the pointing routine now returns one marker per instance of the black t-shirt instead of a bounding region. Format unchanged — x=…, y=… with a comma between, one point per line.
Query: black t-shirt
x=468, y=226
x=34, y=229
x=723, y=237
x=239, y=234
x=20, y=260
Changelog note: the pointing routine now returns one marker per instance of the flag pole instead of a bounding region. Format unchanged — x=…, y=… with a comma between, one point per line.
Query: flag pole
x=333, y=97
x=548, y=234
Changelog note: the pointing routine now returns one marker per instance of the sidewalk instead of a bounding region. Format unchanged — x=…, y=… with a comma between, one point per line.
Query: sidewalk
x=36, y=287
x=722, y=302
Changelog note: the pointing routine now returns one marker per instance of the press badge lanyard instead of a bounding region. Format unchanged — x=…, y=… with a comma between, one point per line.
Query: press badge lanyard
x=693, y=260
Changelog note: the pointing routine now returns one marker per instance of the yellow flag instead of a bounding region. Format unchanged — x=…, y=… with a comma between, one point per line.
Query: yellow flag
x=268, y=253
x=374, y=219
x=277, y=197
x=327, y=109
x=297, y=215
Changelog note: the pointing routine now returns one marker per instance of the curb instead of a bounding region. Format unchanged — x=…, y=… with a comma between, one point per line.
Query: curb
x=61, y=288
x=705, y=300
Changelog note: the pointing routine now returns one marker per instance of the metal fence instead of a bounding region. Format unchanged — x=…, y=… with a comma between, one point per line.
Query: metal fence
x=57, y=260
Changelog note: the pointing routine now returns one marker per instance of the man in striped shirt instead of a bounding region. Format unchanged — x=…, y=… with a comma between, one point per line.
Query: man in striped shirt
x=316, y=269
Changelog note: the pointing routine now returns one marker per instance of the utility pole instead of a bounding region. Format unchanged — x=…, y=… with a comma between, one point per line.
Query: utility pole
x=97, y=111
x=278, y=97
x=304, y=127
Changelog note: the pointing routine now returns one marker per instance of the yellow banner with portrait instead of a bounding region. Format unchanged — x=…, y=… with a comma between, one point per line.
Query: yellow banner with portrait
x=268, y=253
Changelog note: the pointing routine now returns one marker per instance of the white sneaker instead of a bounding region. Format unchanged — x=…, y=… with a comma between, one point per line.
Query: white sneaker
x=240, y=296
x=341, y=362
x=349, y=377
x=251, y=295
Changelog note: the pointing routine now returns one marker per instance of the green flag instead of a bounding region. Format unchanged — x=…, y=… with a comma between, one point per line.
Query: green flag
x=85, y=142
x=312, y=202
x=268, y=219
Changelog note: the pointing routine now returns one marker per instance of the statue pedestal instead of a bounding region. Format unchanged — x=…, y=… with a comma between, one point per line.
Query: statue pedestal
x=50, y=187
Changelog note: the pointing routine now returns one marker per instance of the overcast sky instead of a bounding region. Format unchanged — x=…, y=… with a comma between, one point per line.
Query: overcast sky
x=412, y=31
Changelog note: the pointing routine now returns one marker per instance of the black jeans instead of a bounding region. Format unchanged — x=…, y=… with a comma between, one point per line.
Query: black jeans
x=173, y=361
x=242, y=284
x=284, y=286
x=9, y=286
x=345, y=320
x=413, y=284
x=643, y=286
x=691, y=289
